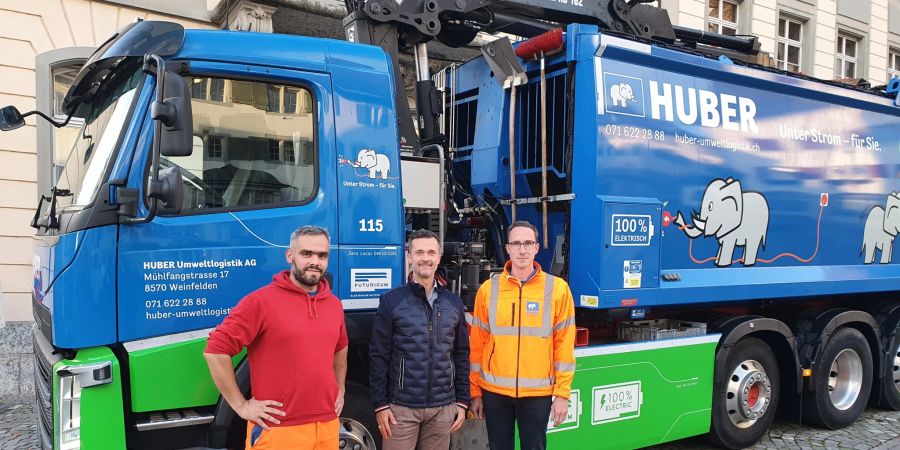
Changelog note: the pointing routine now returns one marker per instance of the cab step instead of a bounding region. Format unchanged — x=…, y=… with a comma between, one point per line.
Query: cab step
x=173, y=419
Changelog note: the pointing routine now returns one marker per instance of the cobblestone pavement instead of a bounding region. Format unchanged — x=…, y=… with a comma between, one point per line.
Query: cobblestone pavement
x=18, y=427
x=876, y=429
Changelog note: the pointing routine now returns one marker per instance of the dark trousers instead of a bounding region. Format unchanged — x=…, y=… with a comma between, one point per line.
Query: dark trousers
x=502, y=413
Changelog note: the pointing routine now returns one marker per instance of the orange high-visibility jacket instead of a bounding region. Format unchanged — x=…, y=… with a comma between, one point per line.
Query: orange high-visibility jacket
x=523, y=336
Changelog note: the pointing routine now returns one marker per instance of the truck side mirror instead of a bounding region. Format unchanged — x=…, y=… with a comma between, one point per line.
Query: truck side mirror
x=170, y=190
x=175, y=117
x=10, y=118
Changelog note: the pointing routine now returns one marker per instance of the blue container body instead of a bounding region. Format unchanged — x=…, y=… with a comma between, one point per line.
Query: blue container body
x=791, y=180
x=694, y=180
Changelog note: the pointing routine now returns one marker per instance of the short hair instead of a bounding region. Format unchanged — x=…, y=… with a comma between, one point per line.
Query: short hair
x=309, y=230
x=521, y=224
x=422, y=234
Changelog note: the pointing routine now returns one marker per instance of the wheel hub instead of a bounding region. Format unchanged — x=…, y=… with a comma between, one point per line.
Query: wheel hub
x=845, y=379
x=748, y=394
x=354, y=436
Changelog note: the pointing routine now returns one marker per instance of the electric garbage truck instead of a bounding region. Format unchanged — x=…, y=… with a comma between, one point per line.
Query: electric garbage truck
x=726, y=228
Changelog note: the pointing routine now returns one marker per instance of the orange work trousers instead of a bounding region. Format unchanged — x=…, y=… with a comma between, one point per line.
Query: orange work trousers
x=309, y=436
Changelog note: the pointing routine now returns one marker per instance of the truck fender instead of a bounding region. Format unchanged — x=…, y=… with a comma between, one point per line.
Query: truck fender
x=224, y=415
x=825, y=325
x=774, y=332
x=891, y=315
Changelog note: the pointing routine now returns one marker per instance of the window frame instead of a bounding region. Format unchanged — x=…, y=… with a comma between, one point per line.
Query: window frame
x=841, y=58
x=277, y=149
x=221, y=141
x=893, y=65
x=719, y=22
x=788, y=42
x=285, y=82
x=76, y=122
x=46, y=136
x=284, y=100
x=287, y=148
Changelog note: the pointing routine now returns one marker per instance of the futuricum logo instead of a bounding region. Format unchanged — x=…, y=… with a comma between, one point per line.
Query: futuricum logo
x=369, y=280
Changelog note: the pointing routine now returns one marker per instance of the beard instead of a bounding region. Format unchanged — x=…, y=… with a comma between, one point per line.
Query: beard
x=424, y=270
x=307, y=277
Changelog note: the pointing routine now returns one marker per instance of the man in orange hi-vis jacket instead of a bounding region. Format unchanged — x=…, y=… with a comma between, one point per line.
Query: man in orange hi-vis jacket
x=522, y=347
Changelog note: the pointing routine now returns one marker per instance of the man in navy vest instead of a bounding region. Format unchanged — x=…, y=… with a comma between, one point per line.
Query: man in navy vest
x=419, y=368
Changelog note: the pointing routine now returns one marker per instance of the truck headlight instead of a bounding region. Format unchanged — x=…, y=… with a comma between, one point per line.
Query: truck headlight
x=69, y=412
x=72, y=379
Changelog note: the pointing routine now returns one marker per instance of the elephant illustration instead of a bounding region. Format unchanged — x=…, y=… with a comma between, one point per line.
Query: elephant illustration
x=621, y=93
x=882, y=226
x=736, y=218
x=375, y=162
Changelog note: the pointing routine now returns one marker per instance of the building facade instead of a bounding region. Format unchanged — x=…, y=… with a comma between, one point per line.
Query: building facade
x=825, y=39
x=43, y=43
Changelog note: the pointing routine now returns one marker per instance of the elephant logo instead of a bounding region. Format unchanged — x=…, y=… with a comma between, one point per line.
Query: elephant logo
x=736, y=218
x=378, y=164
x=621, y=93
x=882, y=226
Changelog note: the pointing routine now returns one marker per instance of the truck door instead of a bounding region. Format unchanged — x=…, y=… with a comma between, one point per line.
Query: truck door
x=263, y=164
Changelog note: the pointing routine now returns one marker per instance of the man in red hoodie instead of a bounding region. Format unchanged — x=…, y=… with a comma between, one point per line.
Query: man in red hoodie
x=296, y=341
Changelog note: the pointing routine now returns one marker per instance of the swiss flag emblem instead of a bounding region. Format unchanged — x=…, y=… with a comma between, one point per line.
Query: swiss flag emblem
x=666, y=218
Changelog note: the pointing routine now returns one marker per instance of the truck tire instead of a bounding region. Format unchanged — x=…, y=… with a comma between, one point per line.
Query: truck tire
x=890, y=383
x=358, y=430
x=841, y=382
x=745, y=395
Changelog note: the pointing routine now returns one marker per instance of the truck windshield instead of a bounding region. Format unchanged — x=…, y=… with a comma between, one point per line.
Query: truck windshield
x=83, y=171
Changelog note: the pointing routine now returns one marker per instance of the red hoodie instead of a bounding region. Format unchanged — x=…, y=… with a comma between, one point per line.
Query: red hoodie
x=291, y=339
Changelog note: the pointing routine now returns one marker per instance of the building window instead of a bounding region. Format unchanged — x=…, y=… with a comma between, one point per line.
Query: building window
x=894, y=63
x=274, y=150
x=289, y=152
x=845, y=56
x=290, y=101
x=215, y=147
x=723, y=17
x=63, y=77
x=274, y=95
x=789, y=43
x=217, y=89
x=198, y=88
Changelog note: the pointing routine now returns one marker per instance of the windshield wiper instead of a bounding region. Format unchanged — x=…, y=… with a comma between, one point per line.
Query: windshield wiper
x=51, y=221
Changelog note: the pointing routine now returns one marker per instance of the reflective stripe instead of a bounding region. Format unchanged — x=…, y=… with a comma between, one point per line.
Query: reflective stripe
x=543, y=331
x=476, y=322
x=564, y=367
x=570, y=322
x=475, y=367
x=511, y=382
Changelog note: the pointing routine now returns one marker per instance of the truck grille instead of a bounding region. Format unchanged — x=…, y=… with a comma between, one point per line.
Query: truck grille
x=43, y=387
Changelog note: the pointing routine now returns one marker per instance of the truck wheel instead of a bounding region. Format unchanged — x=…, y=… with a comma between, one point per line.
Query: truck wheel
x=358, y=428
x=745, y=395
x=842, y=382
x=890, y=384
x=890, y=380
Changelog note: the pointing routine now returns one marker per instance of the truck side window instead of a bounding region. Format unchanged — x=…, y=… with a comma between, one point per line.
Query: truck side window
x=253, y=146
